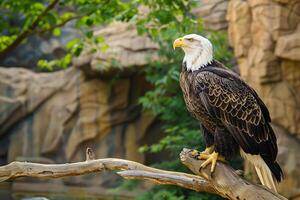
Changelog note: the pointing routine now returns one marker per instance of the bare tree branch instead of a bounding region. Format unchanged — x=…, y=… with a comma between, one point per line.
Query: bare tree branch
x=165, y=178
x=224, y=181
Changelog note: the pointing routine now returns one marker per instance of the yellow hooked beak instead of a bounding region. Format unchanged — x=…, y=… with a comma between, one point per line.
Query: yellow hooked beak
x=178, y=43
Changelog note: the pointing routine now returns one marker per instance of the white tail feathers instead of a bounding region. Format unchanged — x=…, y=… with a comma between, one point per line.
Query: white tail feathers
x=262, y=170
x=265, y=177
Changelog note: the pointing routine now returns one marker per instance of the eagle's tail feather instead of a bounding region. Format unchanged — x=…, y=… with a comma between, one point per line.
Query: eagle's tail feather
x=265, y=176
x=258, y=172
x=264, y=171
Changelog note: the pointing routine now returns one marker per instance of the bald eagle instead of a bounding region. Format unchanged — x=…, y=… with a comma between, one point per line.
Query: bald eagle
x=233, y=117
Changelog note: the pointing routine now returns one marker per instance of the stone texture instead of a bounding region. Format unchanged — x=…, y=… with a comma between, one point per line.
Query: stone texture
x=238, y=31
x=126, y=50
x=53, y=117
x=213, y=13
x=289, y=158
x=265, y=35
x=265, y=39
x=288, y=46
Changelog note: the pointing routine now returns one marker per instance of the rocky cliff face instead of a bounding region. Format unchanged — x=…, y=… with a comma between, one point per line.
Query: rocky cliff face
x=213, y=13
x=265, y=35
x=266, y=40
x=54, y=117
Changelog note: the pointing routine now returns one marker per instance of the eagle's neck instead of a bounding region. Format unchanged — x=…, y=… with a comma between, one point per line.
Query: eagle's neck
x=198, y=58
x=210, y=64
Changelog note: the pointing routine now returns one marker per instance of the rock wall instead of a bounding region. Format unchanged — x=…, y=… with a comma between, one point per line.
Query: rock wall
x=265, y=36
x=213, y=13
x=53, y=117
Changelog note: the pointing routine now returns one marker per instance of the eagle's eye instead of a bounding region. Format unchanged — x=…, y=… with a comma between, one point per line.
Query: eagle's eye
x=190, y=39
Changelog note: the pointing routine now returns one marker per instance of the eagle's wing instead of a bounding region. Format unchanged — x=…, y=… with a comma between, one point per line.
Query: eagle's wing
x=238, y=108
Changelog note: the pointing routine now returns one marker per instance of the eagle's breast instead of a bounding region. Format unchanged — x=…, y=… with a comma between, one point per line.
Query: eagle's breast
x=193, y=101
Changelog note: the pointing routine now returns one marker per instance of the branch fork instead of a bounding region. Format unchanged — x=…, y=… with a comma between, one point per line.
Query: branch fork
x=224, y=181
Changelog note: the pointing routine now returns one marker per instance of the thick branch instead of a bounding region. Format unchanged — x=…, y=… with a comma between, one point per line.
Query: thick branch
x=132, y=170
x=26, y=32
x=224, y=181
x=194, y=183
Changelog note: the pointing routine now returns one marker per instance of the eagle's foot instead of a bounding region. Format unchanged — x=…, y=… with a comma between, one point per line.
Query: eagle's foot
x=195, y=152
x=211, y=158
x=203, y=155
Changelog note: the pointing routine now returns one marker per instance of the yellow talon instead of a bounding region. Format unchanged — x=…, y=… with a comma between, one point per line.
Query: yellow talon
x=195, y=152
x=208, y=150
x=211, y=158
x=204, y=154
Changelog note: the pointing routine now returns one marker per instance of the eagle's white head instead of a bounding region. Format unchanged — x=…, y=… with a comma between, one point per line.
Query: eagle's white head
x=198, y=51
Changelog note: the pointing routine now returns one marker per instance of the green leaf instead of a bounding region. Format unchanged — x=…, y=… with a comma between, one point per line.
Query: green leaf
x=72, y=43
x=89, y=34
x=104, y=48
x=99, y=39
x=89, y=22
x=51, y=19
x=77, y=49
x=56, y=32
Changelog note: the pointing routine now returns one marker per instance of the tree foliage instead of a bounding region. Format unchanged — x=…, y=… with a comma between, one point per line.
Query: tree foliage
x=165, y=21
x=21, y=19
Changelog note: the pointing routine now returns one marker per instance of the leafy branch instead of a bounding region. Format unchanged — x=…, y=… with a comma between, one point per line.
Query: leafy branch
x=28, y=31
x=61, y=24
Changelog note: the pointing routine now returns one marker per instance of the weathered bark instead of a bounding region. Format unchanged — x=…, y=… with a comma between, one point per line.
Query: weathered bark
x=224, y=181
x=227, y=182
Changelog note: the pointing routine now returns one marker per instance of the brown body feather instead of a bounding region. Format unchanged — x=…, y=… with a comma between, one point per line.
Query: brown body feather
x=231, y=113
